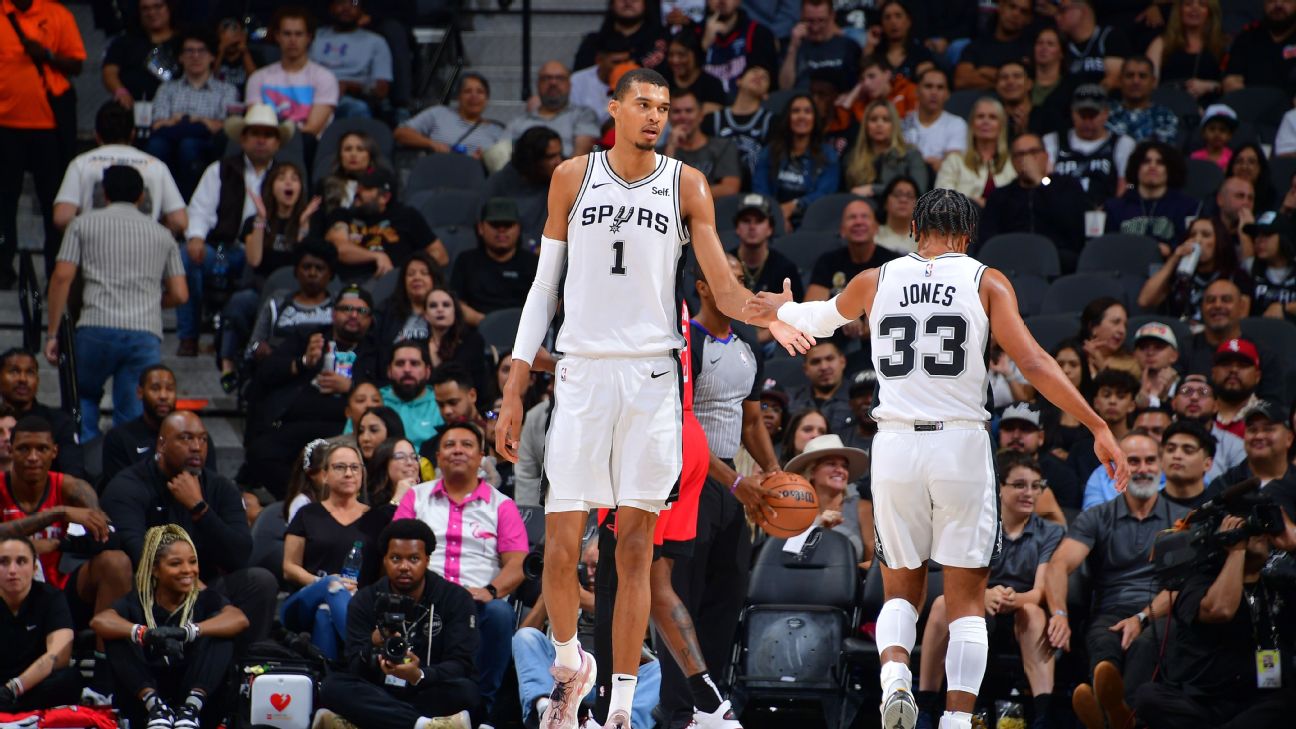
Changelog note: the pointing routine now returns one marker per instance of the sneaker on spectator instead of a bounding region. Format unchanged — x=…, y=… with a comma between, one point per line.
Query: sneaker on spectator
x=1086, y=708
x=570, y=686
x=1109, y=687
x=90, y=697
x=186, y=717
x=618, y=720
x=161, y=716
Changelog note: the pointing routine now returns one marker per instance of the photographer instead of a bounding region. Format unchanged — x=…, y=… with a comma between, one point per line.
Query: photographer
x=1214, y=675
x=434, y=620
x=170, y=642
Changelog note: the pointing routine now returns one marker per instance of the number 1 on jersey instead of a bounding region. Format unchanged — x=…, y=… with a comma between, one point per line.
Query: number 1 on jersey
x=618, y=258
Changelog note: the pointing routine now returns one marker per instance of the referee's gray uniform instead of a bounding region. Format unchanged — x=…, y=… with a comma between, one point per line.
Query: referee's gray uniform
x=710, y=575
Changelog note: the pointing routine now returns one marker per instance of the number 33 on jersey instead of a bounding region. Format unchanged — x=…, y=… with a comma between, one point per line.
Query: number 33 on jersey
x=930, y=333
x=624, y=263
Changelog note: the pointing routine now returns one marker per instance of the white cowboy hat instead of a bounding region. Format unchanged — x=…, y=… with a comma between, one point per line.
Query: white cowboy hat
x=258, y=115
x=829, y=445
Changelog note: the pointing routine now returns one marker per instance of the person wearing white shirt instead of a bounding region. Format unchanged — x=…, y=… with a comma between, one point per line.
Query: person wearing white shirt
x=935, y=132
x=589, y=86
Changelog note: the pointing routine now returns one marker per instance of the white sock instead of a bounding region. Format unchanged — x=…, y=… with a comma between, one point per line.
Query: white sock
x=623, y=688
x=956, y=720
x=897, y=625
x=569, y=653
x=965, y=661
x=896, y=675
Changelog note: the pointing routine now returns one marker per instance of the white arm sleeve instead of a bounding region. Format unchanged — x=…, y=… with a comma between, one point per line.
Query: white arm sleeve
x=816, y=318
x=542, y=300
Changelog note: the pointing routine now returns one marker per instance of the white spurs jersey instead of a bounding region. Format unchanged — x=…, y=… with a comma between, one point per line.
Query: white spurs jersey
x=929, y=332
x=624, y=255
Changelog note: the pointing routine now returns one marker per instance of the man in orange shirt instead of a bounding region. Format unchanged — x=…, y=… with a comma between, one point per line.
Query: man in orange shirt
x=879, y=81
x=40, y=47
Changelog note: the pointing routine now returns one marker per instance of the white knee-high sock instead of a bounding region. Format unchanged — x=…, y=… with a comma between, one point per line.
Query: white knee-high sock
x=897, y=625
x=965, y=661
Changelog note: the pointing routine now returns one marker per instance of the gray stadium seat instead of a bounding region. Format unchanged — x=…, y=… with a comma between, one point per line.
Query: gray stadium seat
x=1050, y=329
x=1070, y=294
x=824, y=215
x=777, y=101
x=446, y=207
x=1258, y=104
x=805, y=248
x=1182, y=103
x=727, y=206
x=1277, y=334
x=499, y=328
x=1018, y=253
x=457, y=239
x=961, y=102
x=1135, y=255
x=326, y=150
x=788, y=372
x=383, y=287
x=446, y=172
x=1281, y=170
x=1204, y=179
x=1030, y=292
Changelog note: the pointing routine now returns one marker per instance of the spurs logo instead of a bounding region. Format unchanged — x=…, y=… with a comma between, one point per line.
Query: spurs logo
x=623, y=216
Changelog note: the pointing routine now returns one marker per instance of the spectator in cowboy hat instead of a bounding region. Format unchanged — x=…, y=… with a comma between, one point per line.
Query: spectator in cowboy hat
x=831, y=467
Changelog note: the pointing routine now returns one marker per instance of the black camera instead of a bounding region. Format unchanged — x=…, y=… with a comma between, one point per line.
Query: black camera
x=1196, y=545
x=393, y=615
x=533, y=567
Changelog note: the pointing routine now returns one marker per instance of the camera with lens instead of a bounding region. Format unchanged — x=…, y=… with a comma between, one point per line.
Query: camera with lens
x=533, y=567
x=393, y=615
x=1196, y=545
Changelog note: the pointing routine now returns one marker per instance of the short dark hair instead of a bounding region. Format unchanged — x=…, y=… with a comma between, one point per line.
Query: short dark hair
x=1092, y=315
x=529, y=150
x=13, y=352
x=357, y=291
x=292, y=11
x=391, y=420
x=31, y=546
x=407, y=529
x=935, y=69
x=638, y=75
x=122, y=183
x=471, y=76
x=316, y=248
x=1159, y=409
x=200, y=34
x=114, y=123
x=1118, y=380
x=877, y=62
x=33, y=424
x=416, y=344
x=1026, y=66
x=611, y=41
x=144, y=375
x=1008, y=459
x=1139, y=58
x=1194, y=430
x=677, y=94
x=452, y=372
x=468, y=425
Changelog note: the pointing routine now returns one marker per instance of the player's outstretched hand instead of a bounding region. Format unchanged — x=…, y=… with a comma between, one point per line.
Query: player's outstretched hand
x=792, y=339
x=508, y=427
x=762, y=308
x=1112, y=457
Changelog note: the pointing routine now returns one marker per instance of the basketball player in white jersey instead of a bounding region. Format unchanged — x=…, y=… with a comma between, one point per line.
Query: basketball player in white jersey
x=931, y=315
x=618, y=222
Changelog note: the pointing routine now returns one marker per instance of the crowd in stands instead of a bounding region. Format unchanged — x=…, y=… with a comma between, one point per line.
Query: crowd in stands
x=355, y=266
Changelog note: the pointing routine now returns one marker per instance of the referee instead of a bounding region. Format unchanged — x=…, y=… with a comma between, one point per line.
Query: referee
x=712, y=583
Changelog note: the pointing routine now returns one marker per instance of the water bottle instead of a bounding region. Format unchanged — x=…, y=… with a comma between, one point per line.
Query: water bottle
x=330, y=357
x=351, y=565
x=1188, y=264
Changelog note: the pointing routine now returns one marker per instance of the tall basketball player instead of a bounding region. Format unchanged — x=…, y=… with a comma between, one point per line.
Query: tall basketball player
x=931, y=315
x=618, y=222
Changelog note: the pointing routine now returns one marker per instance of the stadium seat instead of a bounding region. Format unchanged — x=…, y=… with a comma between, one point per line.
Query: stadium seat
x=824, y=215
x=777, y=101
x=446, y=207
x=727, y=206
x=1050, y=329
x=1070, y=294
x=1181, y=331
x=268, y=540
x=961, y=102
x=1018, y=253
x=787, y=372
x=499, y=328
x=383, y=287
x=801, y=608
x=1030, y=292
x=1275, y=334
x=1281, y=170
x=1258, y=104
x=1182, y=103
x=1134, y=255
x=326, y=150
x=446, y=172
x=1204, y=179
x=533, y=519
x=457, y=239
x=805, y=248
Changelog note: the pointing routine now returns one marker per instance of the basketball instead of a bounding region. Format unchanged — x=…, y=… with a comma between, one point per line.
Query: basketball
x=794, y=502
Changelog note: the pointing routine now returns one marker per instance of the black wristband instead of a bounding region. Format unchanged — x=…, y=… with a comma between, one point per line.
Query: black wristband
x=494, y=592
x=198, y=509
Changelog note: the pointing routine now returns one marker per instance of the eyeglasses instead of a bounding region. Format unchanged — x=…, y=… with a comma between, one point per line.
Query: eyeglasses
x=1195, y=391
x=1018, y=154
x=402, y=457
x=349, y=309
x=344, y=467
x=1033, y=486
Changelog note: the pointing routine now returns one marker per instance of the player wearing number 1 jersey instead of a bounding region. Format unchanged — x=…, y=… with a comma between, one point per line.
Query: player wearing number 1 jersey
x=931, y=315
x=613, y=244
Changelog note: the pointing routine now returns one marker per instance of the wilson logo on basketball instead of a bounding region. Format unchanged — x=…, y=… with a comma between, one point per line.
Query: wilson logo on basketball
x=798, y=495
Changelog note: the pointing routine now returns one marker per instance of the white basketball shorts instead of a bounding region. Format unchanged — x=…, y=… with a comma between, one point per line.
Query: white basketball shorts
x=615, y=433
x=934, y=497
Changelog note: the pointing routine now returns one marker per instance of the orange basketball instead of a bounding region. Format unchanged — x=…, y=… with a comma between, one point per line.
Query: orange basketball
x=794, y=502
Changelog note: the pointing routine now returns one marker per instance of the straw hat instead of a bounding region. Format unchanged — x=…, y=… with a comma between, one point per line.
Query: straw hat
x=823, y=447
x=258, y=115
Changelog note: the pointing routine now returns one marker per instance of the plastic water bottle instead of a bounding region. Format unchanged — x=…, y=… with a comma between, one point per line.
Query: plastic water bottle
x=220, y=269
x=1188, y=264
x=354, y=559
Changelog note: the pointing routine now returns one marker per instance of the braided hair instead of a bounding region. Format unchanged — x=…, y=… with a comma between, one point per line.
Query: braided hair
x=156, y=542
x=945, y=212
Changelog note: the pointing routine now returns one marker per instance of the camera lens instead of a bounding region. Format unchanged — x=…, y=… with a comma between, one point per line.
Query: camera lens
x=395, y=648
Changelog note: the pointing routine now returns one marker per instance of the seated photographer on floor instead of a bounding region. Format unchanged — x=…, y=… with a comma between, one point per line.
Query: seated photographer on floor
x=411, y=638
x=34, y=664
x=170, y=641
x=1225, y=663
